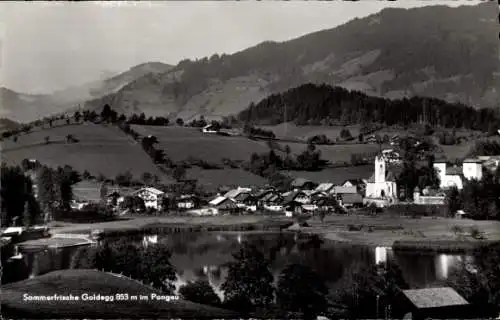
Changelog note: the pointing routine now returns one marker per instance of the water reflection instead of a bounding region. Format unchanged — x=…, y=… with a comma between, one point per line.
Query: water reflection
x=205, y=256
x=446, y=263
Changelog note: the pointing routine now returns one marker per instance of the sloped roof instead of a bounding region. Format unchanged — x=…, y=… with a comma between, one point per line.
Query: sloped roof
x=235, y=192
x=151, y=190
x=472, y=160
x=324, y=186
x=354, y=182
x=218, y=200
x=434, y=297
x=242, y=196
x=292, y=195
x=299, y=182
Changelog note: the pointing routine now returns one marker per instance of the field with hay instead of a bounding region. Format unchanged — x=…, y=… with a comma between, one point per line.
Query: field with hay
x=180, y=143
x=100, y=150
x=77, y=282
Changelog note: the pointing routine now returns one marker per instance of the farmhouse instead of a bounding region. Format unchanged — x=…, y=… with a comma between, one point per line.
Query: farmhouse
x=233, y=194
x=223, y=204
x=298, y=196
x=360, y=185
x=152, y=197
x=456, y=176
x=382, y=184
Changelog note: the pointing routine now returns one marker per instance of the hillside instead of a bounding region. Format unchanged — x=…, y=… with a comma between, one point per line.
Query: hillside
x=180, y=144
x=436, y=51
x=326, y=105
x=100, y=150
x=7, y=125
x=26, y=107
x=80, y=281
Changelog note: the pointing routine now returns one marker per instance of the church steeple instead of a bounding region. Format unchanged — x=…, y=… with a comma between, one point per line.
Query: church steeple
x=380, y=168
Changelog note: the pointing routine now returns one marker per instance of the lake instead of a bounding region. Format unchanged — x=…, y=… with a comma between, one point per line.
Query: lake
x=205, y=255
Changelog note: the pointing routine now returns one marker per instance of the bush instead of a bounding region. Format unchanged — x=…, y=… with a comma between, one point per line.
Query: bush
x=475, y=233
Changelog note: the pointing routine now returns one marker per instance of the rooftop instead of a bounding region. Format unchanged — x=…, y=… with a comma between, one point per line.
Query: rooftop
x=434, y=297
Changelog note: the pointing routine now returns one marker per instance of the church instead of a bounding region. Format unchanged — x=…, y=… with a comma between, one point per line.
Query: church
x=382, y=184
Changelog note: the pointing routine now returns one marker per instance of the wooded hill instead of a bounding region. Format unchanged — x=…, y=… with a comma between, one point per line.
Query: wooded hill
x=324, y=105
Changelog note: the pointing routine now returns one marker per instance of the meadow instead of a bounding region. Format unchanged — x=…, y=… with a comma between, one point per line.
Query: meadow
x=100, y=150
x=212, y=179
x=334, y=175
x=180, y=143
x=82, y=281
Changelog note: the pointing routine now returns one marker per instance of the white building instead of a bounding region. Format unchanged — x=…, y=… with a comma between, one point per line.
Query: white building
x=152, y=197
x=456, y=176
x=382, y=184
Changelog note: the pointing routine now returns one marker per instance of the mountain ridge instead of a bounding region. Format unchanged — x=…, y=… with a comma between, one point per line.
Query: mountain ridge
x=23, y=107
x=436, y=51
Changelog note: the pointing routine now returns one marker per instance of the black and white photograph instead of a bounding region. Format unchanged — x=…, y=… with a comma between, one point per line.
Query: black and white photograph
x=313, y=160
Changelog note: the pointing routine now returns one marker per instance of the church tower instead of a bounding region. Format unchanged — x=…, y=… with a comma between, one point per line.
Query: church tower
x=380, y=169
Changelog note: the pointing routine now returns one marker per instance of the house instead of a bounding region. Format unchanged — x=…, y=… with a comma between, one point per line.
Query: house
x=456, y=176
x=338, y=190
x=303, y=184
x=327, y=204
x=87, y=192
x=382, y=184
x=187, y=202
x=152, y=197
x=292, y=208
x=232, y=194
x=360, y=185
x=436, y=303
x=299, y=196
x=268, y=197
x=223, y=204
x=351, y=200
x=210, y=128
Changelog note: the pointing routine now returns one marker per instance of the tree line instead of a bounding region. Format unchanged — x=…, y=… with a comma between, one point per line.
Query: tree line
x=22, y=204
x=323, y=105
x=478, y=198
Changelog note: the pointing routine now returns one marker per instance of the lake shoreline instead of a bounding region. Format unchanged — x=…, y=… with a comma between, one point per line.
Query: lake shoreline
x=401, y=233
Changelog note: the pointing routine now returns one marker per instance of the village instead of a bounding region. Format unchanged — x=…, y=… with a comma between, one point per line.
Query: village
x=304, y=197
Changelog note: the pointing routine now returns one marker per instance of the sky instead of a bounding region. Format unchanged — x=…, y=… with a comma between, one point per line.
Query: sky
x=48, y=46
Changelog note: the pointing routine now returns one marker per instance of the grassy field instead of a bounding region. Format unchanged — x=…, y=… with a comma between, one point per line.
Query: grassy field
x=77, y=282
x=334, y=175
x=100, y=149
x=337, y=153
x=389, y=229
x=291, y=131
x=211, y=179
x=179, y=143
